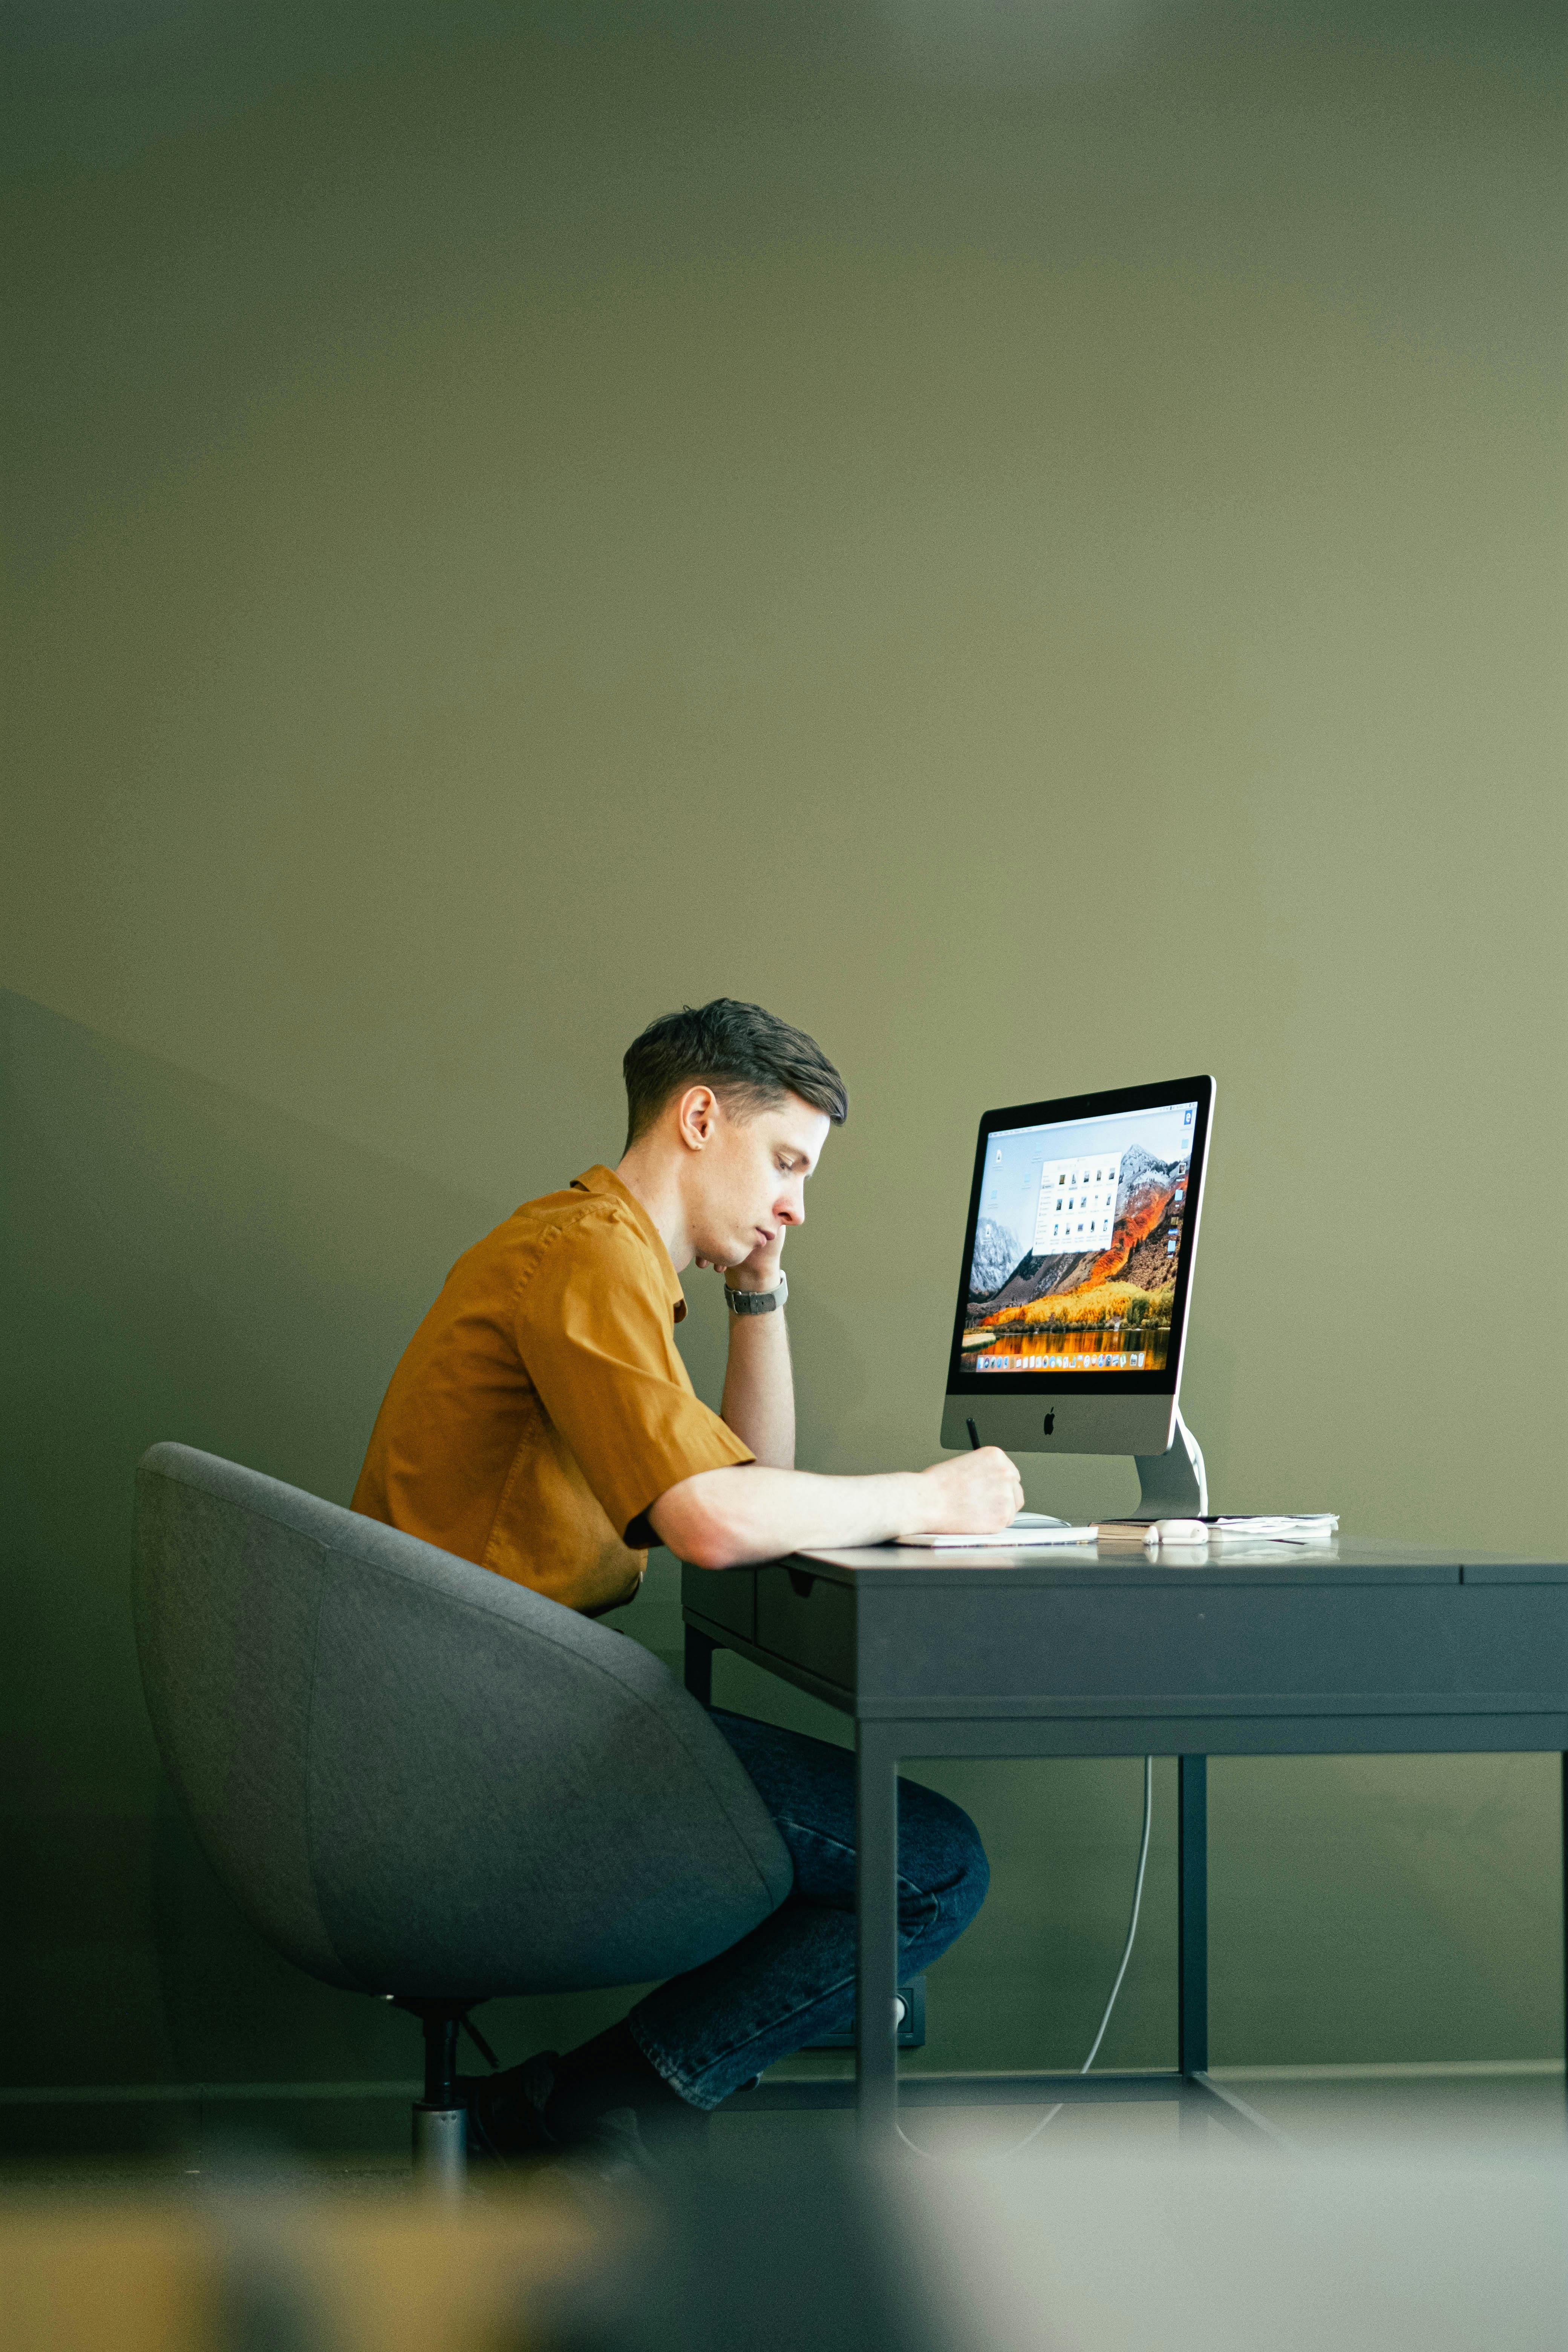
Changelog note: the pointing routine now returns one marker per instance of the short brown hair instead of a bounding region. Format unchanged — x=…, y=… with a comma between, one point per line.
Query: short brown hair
x=750, y=1058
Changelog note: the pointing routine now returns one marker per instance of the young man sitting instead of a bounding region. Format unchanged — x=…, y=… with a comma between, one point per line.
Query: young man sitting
x=541, y=1424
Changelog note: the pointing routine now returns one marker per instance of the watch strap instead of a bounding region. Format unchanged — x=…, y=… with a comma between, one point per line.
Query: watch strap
x=757, y=1302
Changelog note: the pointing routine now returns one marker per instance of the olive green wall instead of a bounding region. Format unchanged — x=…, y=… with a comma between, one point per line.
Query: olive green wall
x=1030, y=543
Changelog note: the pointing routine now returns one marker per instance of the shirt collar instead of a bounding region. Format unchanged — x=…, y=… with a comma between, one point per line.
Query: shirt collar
x=609, y=1187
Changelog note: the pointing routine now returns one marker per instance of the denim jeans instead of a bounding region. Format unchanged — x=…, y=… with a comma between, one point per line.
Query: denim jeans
x=792, y=1978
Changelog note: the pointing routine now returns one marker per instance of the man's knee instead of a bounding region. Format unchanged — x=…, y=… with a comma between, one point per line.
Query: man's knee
x=975, y=1879
x=947, y=1857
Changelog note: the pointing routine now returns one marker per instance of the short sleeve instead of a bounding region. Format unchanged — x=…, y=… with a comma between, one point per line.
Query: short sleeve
x=593, y=1327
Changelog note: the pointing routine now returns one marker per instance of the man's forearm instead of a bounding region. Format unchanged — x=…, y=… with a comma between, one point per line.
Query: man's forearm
x=724, y=1519
x=759, y=1388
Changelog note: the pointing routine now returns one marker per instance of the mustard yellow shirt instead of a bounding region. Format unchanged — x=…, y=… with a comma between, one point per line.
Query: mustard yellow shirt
x=542, y=1406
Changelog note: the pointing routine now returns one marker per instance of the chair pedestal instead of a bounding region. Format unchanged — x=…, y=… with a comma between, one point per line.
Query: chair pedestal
x=441, y=2148
x=440, y=2119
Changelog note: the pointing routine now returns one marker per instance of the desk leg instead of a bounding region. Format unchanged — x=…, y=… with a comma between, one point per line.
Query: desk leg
x=1193, y=1913
x=700, y=1649
x=877, y=1918
x=1565, y=1889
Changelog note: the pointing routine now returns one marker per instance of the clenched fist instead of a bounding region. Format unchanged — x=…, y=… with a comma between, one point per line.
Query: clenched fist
x=974, y=1495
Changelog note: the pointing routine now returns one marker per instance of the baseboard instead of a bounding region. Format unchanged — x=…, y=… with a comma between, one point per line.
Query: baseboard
x=166, y=2119
x=1415, y=2070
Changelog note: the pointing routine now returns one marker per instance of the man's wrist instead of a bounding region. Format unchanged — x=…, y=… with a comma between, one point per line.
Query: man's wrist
x=745, y=1300
x=742, y=1278
x=912, y=1507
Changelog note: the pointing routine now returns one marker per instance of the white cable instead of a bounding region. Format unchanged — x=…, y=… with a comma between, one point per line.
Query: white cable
x=1137, y=1900
x=1052, y=2113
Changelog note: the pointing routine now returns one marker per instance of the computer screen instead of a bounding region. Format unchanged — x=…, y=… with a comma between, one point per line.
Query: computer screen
x=1078, y=1251
x=1074, y=1263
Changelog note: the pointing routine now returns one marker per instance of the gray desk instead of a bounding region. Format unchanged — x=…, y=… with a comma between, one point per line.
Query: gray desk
x=1373, y=1648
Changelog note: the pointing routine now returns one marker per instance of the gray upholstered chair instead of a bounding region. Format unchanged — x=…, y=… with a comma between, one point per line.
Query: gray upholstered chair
x=423, y=1781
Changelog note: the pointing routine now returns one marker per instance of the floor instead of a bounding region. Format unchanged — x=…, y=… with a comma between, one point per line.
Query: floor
x=1468, y=2112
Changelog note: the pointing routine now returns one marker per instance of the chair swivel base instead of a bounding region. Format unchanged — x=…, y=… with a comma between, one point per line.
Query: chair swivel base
x=440, y=2119
x=441, y=2146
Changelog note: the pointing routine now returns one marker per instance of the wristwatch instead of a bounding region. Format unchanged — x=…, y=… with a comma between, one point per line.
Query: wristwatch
x=757, y=1302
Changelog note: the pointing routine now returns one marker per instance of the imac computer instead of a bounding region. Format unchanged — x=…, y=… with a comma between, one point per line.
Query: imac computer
x=1076, y=1281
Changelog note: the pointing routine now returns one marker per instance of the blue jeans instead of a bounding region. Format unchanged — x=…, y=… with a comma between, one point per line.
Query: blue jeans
x=793, y=1978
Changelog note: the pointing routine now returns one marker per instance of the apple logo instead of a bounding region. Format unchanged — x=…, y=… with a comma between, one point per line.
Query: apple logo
x=1050, y=1422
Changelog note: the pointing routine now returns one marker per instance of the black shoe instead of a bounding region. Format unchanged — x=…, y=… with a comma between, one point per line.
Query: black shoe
x=506, y=2112
x=508, y=2125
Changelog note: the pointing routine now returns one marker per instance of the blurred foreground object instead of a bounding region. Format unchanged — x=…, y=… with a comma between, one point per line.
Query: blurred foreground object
x=767, y=2247
x=771, y=2248
x=1381, y=2249
x=1198, y=2247
x=278, y=2273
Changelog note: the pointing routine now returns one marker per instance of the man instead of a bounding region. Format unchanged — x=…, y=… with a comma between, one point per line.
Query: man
x=542, y=1424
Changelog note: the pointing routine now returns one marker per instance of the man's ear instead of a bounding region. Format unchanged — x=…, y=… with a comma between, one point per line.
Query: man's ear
x=696, y=1117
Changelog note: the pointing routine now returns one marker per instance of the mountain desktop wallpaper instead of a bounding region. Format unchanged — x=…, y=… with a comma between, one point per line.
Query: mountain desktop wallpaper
x=1107, y=1310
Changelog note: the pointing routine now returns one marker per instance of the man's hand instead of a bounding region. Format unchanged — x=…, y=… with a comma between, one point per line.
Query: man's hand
x=758, y=1272
x=972, y=1494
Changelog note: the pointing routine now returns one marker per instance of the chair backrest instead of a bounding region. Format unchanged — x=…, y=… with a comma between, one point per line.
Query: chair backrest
x=417, y=1776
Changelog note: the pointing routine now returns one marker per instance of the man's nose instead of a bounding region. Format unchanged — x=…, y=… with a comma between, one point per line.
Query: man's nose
x=790, y=1213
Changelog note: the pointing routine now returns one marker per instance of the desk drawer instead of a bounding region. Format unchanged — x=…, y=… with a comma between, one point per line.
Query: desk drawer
x=725, y=1596
x=808, y=1620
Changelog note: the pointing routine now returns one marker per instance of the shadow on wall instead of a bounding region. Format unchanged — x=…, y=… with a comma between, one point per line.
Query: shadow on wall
x=179, y=1260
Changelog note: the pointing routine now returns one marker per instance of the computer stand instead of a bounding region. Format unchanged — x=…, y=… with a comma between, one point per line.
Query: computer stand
x=1175, y=1484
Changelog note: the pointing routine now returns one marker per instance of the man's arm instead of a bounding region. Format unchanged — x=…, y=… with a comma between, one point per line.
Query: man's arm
x=724, y=1519
x=758, y=1382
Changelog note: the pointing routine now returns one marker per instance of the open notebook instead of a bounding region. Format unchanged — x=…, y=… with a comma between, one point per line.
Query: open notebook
x=1031, y=1530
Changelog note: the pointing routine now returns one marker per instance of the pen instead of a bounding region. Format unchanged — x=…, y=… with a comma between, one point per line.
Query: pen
x=974, y=1435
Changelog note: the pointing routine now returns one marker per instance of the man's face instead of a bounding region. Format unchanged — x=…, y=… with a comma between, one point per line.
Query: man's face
x=746, y=1186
